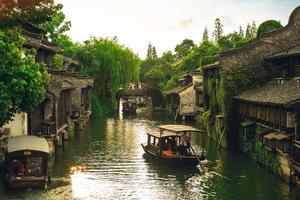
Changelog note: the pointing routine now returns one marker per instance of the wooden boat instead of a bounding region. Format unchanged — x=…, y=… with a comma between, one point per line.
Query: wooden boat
x=172, y=145
x=129, y=107
x=26, y=162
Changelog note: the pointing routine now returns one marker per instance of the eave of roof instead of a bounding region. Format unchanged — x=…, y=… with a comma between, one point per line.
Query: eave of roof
x=294, y=51
x=179, y=89
x=273, y=93
x=211, y=66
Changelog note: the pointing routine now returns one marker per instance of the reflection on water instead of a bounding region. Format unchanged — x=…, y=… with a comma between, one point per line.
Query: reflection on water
x=106, y=161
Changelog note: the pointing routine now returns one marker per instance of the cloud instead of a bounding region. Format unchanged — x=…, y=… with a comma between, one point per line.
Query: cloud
x=185, y=23
x=169, y=25
x=227, y=20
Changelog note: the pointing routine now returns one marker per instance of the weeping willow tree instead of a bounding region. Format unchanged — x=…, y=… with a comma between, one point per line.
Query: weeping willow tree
x=112, y=66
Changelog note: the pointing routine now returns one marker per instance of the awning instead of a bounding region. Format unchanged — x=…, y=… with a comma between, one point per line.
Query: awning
x=276, y=136
x=29, y=142
x=157, y=134
x=179, y=128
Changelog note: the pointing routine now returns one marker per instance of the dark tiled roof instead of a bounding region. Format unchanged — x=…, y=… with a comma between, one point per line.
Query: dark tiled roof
x=273, y=93
x=210, y=66
x=290, y=52
x=178, y=89
x=50, y=46
x=66, y=73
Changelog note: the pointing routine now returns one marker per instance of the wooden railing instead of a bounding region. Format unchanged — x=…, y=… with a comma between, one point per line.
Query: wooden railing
x=48, y=128
x=296, y=152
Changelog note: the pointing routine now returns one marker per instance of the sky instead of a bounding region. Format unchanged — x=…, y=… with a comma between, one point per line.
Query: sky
x=166, y=23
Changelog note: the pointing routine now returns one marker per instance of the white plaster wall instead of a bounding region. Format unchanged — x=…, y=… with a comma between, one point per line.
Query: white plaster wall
x=18, y=126
x=187, y=100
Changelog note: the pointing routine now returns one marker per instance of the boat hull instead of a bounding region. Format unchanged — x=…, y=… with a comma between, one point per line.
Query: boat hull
x=174, y=160
x=129, y=111
x=34, y=182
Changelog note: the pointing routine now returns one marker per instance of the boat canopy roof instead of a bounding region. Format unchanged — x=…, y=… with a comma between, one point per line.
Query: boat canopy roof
x=23, y=143
x=179, y=128
x=158, y=134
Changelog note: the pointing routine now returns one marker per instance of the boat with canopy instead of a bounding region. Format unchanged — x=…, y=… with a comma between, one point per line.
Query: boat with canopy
x=172, y=144
x=26, y=162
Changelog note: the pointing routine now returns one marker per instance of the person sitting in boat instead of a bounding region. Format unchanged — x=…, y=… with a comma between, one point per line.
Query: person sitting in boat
x=21, y=169
x=188, y=145
x=184, y=144
x=173, y=144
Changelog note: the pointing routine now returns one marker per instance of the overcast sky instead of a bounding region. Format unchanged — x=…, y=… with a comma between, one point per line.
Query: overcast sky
x=166, y=23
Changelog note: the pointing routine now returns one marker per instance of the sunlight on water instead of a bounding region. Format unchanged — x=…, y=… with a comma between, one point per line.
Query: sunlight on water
x=106, y=161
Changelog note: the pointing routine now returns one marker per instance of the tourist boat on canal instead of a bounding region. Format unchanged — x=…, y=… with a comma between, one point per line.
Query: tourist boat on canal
x=171, y=144
x=26, y=162
x=129, y=107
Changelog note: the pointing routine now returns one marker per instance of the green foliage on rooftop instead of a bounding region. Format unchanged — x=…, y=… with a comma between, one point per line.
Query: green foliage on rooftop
x=57, y=62
x=268, y=26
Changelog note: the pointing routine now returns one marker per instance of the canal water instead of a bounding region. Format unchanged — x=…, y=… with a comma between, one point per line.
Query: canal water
x=106, y=161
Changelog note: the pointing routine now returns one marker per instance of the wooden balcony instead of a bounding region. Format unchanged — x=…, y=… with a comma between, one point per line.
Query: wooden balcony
x=277, y=141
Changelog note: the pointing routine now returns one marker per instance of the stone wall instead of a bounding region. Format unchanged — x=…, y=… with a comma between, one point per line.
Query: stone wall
x=63, y=80
x=268, y=44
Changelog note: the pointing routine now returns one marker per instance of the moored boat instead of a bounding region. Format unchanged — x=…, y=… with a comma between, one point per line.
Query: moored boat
x=26, y=162
x=172, y=145
x=129, y=107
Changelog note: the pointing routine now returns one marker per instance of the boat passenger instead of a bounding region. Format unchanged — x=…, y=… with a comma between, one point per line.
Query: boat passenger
x=21, y=169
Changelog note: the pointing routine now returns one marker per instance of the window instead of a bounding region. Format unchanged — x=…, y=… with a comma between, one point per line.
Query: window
x=284, y=72
x=28, y=166
x=199, y=98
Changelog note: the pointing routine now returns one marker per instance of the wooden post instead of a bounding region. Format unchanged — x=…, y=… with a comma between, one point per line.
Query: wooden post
x=201, y=165
x=176, y=115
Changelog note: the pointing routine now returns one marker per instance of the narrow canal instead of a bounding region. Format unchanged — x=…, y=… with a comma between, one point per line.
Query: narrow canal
x=105, y=161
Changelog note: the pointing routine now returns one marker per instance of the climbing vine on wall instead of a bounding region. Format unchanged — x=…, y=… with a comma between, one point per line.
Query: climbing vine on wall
x=237, y=79
x=219, y=99
x=256, y=150
x=213, y=90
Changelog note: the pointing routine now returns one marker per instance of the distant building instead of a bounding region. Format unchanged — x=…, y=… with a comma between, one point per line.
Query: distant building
x=186, y=99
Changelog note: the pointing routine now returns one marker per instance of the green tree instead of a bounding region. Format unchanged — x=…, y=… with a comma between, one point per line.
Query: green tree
x=241, y=32
x=57, y=26
x=22, y=80
x=268, y=26
x=218, y=32
x=154, y=77
x=184, y=48
x=149, y=51
x=154, y=53
x=168, y=57
x=15, y=12
x=253, y=29
x=205, y=34
x=248, y=31
x=111, y=65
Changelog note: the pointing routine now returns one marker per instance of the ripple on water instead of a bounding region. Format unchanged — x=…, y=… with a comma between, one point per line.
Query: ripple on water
x=113, y=167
